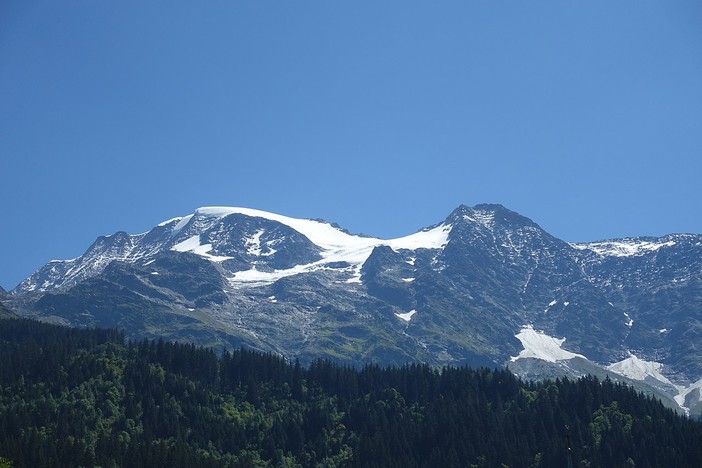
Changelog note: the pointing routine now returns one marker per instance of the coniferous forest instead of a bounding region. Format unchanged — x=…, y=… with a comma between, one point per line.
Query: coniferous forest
x=80, y=397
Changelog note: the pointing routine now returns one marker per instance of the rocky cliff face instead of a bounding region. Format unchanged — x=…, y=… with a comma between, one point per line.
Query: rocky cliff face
x=486, y=286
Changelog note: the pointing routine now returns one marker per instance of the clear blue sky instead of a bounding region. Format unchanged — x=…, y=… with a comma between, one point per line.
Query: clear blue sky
x=382, y=116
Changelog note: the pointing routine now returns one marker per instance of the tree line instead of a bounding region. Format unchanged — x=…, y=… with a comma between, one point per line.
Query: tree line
x=87, y=397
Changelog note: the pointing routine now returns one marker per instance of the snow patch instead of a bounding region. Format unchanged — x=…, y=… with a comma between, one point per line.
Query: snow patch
x=192, y=244
x=256, y=277
x=182, y=223
x=638, y=369
x=629, y=321
x=356, y=278
x=187, y=245
x=435, y=238
x=541, y=346
x=623, y=248
x=253, y=243
x=406, y=316
x=685, y=391
x=169, y=221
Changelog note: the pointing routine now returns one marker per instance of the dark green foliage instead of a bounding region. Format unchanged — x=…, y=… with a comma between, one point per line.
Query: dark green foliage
x=71, y=397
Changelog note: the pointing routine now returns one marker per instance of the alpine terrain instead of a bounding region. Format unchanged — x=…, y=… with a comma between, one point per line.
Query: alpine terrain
x=486, y=286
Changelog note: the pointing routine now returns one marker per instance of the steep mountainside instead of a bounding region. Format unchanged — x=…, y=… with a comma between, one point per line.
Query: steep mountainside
x=486, y=286
x=4, y=311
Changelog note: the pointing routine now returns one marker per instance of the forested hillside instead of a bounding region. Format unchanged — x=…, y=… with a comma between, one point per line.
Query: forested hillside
x=78, y=397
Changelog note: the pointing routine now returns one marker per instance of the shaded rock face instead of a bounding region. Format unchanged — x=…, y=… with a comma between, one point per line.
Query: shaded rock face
x=658, y=283
x=388, y=277
x=458, y=292
x=5, y=312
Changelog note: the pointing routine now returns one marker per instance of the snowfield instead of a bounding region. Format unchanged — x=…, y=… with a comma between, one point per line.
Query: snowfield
x=336, y=245
x=638, y=369
x=541, y=346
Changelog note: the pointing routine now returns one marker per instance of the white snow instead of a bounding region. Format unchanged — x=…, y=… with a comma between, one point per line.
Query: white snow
x=629, y=320
x=169, y=221
x=623, y=248
x=181, y=224
x=638, y=369
x=322, y=234
x=192, y=244
x=541, y=346
x=335, y=244
x=253, y=243
x=64, y=261
x=333, y=240
x=356, y=278
x=256, y=277
x=188, y=245
x=406, y=316
x=435, y=238
x=685, y=391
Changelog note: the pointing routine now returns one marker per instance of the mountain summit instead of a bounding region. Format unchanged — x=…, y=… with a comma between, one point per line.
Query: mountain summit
x=486, y=286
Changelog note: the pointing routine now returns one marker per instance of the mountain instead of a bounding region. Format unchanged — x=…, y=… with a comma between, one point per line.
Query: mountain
x=486, y=286
x=4, y=311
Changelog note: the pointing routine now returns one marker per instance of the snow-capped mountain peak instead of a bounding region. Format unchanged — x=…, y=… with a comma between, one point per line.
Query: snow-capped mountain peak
x=331, y=238
x=322, y=234
x=240, y=239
